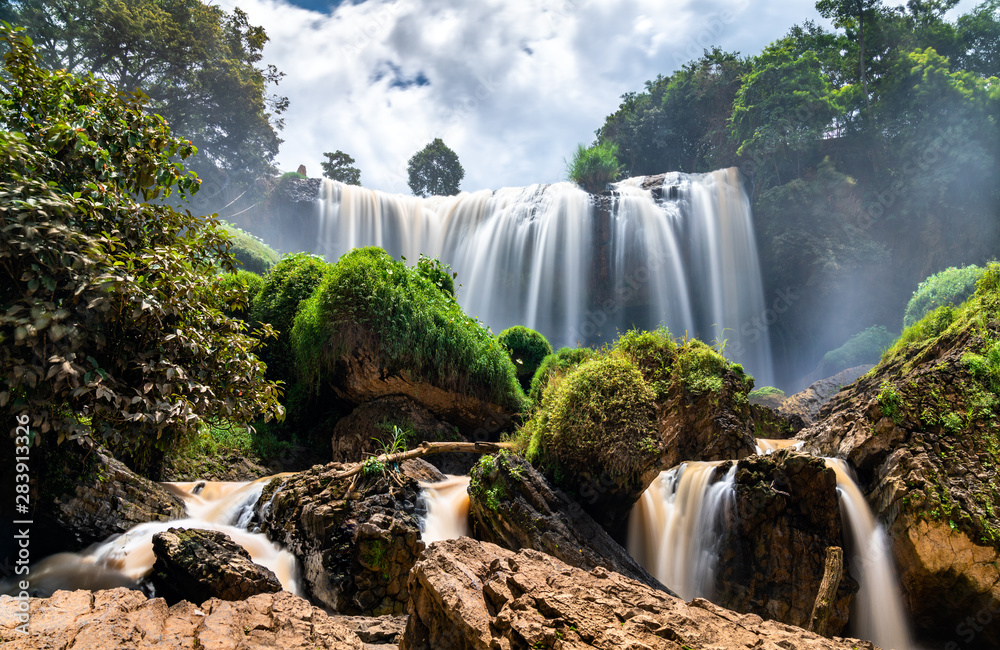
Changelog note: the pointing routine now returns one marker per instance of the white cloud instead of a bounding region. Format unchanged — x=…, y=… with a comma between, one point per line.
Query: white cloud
x=514, y=85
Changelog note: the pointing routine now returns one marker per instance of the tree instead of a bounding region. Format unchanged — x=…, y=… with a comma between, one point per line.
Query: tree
x=338, y=167
x=435, y=170
x=108, y=327
x=198, y=64
x=851, y=15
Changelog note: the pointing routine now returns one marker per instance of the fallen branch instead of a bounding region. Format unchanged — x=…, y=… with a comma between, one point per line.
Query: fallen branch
x=426, y=449
x=827, y=595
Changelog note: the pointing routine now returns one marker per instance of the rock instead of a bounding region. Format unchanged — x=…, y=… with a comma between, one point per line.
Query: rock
x=196, y=565
x=355, y=539
x=384, y=630
x=511, y=504
x=772, y=424
x=929, y=473
x=773, y=552
x=806, y=404
x=469, y=594
x=302, y=170
x=370, y=427
x=87, y=496
x=123, y=618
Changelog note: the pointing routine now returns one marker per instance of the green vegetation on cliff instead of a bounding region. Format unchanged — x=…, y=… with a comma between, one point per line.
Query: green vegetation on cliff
x=949, y=287
x=863, y=347
x=370, y=302
x=595, y=166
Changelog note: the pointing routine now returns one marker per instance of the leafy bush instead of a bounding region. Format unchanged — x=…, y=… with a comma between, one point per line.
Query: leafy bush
x=255, y=256
x=369, y=300
x=292, y=280
x=107, y=324
x=601, y=416
x=527, y=349
x=594, y=167
x=561, y=361
x=237, y=291
x=863, y=347
x=949, y=287
x=438, y=273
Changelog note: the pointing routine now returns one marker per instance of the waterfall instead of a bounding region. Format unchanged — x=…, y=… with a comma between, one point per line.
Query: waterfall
x=124, y=560
x=769, y=445
x=447, y=507
x=877, y=613
x=673, y=529
x=577, y=267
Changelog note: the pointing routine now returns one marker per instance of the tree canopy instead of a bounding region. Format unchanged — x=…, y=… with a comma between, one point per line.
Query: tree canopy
x=340, y=167
x=199, y=65
x=435, y=170
x=107, y=325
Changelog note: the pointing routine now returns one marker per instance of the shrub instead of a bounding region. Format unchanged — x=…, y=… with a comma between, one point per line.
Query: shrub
x=863, y=347
x=559, y=362
x=601, y=416
x=653, y=353
x=949, y=287
x=255, y=256
x=594, y=167
x=292, y=280
x=527, y=348
x=438, y=273
x=369, y=300
x=701, y=369
x=238, y=291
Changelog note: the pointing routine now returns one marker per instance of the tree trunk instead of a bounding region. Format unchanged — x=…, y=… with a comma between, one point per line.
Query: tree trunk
x=427, y=448
x=827, y=594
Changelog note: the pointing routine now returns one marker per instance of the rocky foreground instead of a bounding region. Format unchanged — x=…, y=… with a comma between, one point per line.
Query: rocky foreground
x=463, y=594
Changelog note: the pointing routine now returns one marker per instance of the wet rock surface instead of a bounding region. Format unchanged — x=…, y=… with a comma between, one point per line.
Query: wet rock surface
x=124, y=619
x=786, y=515
x=469, y=594
x=512, y=505
x=196, y=565
x=356, y=539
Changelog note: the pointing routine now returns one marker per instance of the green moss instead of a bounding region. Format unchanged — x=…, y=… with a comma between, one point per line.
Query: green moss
x=766, y=391
x=701, y=368
x=369, y=300
x=485, y=482
x=527, y=349
x=255, y=256
x=949, y=287
x=601, y=416
x=559, y=362
x=653, y=354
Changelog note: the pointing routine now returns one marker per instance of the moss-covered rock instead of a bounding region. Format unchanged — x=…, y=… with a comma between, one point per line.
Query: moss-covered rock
x=376, y=327
x=527, y=349
x=556, y=364
x=255, y=256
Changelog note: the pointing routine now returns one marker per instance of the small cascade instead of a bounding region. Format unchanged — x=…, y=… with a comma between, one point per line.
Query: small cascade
x=447, y=507
x=877, y=613
x=124, y=560
x=576, y=267
x=674, y=528
x=769, y=445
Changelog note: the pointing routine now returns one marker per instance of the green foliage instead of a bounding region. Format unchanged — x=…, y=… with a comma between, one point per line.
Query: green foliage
x=653, y=354
x=255, y=256
x=600, y=416
x=949, y=287
x=701, y=368
x=594, y=167
x=292, y=280
x=435, y=170
x=890, y=402
x=237, y=290
x=485, y=482
x=439, y=273
x=370, y=301
x=106, y=317
x=338, y=166
x=557, y=363
x=864, y=347
x=197, y=63
x=223, y=437
x=765, y=392
x=527, y=349
x=986, y=366
x=292, y=176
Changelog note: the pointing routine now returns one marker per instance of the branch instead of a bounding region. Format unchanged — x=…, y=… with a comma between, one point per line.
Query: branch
x=428, y=448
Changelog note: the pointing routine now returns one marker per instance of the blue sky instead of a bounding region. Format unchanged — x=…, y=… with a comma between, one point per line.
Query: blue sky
x=511, y=85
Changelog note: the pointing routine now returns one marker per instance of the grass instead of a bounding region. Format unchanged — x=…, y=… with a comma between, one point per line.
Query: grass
x=594, y=167
x=765, y=392
x=370, y=301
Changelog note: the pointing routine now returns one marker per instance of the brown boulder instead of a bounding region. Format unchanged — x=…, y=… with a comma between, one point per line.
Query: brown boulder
x=467, y=594
x=122, y=619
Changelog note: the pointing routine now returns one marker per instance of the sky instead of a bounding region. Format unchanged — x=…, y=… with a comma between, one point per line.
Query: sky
x=513, y=86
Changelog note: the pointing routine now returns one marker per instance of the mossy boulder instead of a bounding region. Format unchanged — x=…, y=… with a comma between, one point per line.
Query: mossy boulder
x=554, y=365
x=921, y=429
x=251, y=252
x=527, y=349
x=376, y=327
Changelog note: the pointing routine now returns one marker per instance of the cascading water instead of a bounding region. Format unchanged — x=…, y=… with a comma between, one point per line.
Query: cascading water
x=123, y=560
x=576, y=267
x=770, y=445
x=447, y=506
x=673, y=529
x=877, y=613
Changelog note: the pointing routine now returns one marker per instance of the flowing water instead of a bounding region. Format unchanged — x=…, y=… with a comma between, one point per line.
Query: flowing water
x=447, y=507
x=579, y=269
x=673, y=529
x=124, y=560
x=769, y=446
